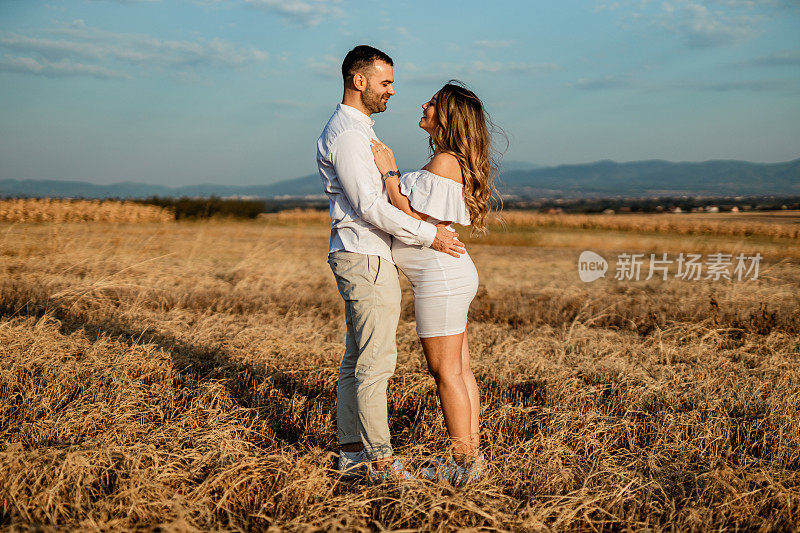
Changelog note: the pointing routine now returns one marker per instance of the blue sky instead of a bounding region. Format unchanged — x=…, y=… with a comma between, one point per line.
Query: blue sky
x=236, y=91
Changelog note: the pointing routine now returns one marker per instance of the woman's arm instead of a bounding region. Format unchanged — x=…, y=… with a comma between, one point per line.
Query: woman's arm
x=384, y=160
x=399, y=200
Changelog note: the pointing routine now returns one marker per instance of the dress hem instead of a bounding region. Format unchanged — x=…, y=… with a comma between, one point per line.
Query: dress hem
x=428, y=335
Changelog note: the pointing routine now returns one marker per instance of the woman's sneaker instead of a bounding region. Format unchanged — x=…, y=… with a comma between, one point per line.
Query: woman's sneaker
x=480, y=466
x=353, y=465
x=395, y=472
x=442, y=469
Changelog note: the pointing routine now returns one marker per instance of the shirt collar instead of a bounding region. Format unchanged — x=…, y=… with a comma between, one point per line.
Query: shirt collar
x=355, y=113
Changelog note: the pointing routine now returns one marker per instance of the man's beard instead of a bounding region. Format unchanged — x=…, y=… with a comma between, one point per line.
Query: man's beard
x=373, y=101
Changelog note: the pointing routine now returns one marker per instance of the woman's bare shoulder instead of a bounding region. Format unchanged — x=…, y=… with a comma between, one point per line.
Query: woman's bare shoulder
x=447, y=166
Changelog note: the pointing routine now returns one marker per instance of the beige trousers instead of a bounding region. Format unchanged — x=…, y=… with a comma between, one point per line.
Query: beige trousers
x=371, y=292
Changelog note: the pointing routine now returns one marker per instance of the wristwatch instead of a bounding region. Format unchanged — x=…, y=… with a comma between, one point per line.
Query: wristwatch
x=390, y=174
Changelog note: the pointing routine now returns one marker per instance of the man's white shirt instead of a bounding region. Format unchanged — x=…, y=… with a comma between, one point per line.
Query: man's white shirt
x=362, y=218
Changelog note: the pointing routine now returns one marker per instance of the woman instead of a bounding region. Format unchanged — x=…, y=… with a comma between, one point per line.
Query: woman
x=455, y=186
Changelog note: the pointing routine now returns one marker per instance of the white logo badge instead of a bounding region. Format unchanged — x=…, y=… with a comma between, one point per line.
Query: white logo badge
x=591, y=266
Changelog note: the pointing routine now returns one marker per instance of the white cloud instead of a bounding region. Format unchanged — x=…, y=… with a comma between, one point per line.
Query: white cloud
x=49, y=48
x=326, y=66
x=699, y=23
x=606, y=6
x=606, y=82
x=445, y=71
x=303, y=13
x=80, y=49
x=628, y=82
x=45, y=67
x=497, y=67
x=777, y=59
x=749, y=85
x=758, y=3
x=703, y=27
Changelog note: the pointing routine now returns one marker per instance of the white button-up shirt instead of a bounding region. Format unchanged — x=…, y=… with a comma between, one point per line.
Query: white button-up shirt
x=362, y=218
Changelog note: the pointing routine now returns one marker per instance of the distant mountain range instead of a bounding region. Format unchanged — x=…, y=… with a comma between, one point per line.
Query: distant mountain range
x=307, y=185
x=656, y=178
x=602, y=178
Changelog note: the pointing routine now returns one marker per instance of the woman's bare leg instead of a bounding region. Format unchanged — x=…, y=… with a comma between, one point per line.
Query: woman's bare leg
x=444, y=356
x=474, y=395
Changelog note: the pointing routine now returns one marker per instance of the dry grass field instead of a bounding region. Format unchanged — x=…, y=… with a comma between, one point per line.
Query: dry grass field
x=181, y=377
x=64, y=210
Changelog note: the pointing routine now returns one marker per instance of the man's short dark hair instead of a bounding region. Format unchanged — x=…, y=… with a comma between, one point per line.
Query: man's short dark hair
x=360, y=58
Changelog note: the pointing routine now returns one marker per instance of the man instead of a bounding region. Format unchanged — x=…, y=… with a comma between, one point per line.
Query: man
x=363, y=223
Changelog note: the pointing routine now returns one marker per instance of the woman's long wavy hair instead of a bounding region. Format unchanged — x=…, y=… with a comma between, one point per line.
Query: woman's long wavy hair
x=464, y=130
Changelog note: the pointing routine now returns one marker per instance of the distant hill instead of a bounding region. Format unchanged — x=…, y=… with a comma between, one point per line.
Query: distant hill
x=506, y=166
x=602, y=178
x=645, y=178
x=306, y=185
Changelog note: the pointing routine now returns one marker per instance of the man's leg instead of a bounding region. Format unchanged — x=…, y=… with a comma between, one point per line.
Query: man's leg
x=371, y=291
x=375, y=324
x=347, y=425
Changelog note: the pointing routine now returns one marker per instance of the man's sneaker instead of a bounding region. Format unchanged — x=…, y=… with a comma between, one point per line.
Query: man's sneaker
x=353, y=465
x=442, y=469
x=395, y=472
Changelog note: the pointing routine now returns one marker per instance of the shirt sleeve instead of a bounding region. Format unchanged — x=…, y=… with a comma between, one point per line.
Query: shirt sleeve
x=353, y=162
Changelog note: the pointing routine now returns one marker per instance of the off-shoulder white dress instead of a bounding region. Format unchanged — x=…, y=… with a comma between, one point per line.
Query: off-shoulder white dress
x=443, y=285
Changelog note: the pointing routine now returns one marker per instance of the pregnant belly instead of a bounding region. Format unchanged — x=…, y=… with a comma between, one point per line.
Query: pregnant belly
x=425, y=266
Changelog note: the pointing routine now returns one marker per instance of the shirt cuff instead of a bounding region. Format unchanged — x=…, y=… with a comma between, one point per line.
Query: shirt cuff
x=427, y=233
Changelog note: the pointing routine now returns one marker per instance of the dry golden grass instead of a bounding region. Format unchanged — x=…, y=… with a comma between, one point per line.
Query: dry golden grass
x=726, y=224
x=780, y=224
x=63, y=210
x=777, y=234
x=297, y=216
x=182, y=377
